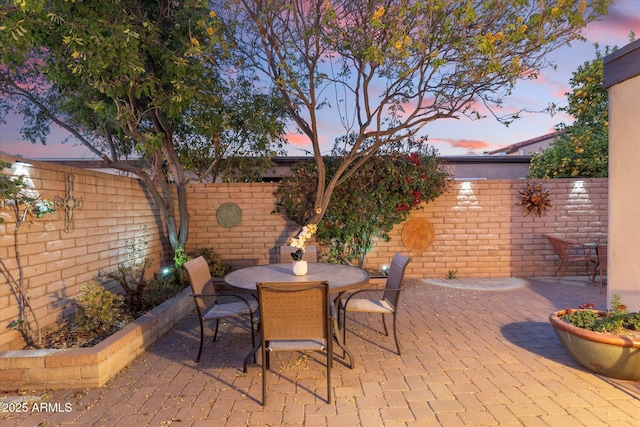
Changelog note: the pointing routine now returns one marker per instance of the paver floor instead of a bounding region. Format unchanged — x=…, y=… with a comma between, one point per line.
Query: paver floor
x=474, y=353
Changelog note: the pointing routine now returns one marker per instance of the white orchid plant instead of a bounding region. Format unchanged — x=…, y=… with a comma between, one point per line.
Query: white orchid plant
x=300, y=240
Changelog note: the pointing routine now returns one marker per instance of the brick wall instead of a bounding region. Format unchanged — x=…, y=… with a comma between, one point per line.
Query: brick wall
x=479, y=231
x=56, y=264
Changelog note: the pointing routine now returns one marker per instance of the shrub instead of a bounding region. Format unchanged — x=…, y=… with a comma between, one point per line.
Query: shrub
x=611, y=321
x=98, y=309
x=367, y=205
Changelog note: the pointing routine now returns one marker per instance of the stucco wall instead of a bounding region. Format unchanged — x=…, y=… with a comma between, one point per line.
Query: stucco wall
x=479, y=232
x=622, y=77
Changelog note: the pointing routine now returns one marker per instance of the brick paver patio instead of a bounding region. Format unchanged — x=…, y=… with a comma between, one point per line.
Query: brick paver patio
x=470, y=358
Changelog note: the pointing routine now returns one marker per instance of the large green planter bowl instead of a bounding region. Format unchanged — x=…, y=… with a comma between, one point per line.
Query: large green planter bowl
x=606, y=354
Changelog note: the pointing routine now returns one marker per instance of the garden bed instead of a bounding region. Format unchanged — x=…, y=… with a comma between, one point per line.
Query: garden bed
x=91, y=367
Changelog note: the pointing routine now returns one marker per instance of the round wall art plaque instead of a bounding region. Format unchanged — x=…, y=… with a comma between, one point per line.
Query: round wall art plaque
x=418, y=235
x=229, y=215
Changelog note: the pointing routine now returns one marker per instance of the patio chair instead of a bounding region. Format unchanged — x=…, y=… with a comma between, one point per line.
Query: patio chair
x=208, y=302
x=570, y=251
x=295, y=317
x=601, y=251
x=387, y=305
x=310, y=254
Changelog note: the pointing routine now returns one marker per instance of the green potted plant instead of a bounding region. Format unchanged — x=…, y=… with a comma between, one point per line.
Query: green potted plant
x=605, y=342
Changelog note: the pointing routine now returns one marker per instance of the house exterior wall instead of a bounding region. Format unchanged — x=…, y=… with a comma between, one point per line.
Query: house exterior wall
x=622, y=78
x=479, y=231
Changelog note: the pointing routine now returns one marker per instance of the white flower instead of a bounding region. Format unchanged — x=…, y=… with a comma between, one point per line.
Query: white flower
x=301, y=239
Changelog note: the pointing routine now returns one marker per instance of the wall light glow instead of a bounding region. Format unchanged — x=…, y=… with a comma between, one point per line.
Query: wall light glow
x=467, y=200
x=579, y=197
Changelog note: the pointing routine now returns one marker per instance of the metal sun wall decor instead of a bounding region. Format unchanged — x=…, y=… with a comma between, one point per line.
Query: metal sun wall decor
x=535, y=199
x=69, y=203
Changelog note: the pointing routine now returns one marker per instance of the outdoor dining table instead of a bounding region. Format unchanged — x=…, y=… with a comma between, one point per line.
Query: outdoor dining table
x=341, y=278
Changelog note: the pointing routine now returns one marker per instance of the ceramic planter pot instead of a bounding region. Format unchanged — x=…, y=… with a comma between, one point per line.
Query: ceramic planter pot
x=606, y=354
x=299, y=268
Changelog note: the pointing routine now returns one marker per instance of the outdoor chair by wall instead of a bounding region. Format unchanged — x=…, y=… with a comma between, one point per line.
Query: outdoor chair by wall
x=310, y=254
x=387, y=305
x=601, y=250
x=295, y=317
x=208, y=304
x=570, y=251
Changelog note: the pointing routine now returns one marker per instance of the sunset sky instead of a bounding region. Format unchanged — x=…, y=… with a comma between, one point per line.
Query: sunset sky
x=459, y=137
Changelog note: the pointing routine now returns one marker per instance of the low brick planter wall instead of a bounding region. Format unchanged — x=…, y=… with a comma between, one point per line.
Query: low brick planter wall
x=91, y=367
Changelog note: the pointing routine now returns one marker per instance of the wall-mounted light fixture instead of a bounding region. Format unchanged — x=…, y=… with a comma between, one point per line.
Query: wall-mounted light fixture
x=23, y=163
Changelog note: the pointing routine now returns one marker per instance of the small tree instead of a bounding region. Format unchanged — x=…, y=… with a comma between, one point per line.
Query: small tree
x=582, y=150
x=134, y=77
x=25, y=205
x=385, y=69
x=379, y=195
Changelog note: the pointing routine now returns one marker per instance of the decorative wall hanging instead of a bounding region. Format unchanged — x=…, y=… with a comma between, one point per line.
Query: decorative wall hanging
x=229, y=215
x=535, y=199
x=69, y=203
x=418, y=235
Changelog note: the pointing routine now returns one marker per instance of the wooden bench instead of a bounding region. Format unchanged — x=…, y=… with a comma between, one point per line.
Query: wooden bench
x=570, y=251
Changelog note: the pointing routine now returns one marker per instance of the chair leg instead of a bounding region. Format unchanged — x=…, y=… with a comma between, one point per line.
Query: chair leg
x=264, y=376
x=345, y=353
x=562, y=269
x=253, y=338
x=215, y=334
x=395, y=333
x=344, y=326
x=329, y=363
x=384, y=324
x=201, y=340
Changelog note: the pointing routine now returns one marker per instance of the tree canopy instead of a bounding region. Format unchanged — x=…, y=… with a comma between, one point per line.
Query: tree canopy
x=144, y=77
x=379, y=195
x=582, y=149
x=386, y=69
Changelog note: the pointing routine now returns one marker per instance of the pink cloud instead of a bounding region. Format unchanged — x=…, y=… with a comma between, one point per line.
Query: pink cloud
x=614, y=28
x=469, y=144
x=297, y=139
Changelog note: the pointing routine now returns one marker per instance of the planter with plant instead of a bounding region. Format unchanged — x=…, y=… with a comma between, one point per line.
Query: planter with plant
x=605, y=342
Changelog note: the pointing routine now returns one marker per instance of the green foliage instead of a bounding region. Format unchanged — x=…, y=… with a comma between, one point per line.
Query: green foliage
x=581, y=150
x=158, y=291
x=385, y=70
x=98, y=309
x=138, y=78
x=130, y=275
x=23, y=200
x=585, y=319
x=452, y=274
x=612, y=321
x=18, y=196
x=217, y=267
x=377, y=196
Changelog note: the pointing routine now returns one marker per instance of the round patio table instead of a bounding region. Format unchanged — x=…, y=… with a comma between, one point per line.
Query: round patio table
x=341, y=278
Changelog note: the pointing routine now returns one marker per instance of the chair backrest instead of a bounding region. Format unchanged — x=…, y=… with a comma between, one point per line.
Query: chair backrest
x=395, y=277
x=294, y=310
x=602, y=256
x=201, y=283
x=561, y=245
x=310, y=253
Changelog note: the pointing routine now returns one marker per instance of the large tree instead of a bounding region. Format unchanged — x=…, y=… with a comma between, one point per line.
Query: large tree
x=582, y=149
x=385, y=69
x=143, y=77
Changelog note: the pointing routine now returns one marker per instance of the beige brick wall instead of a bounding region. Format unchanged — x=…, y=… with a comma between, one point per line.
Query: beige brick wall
x=56, y=263
x=479, y=231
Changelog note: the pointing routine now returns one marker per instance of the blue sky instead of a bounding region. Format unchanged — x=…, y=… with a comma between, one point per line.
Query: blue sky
x=461, y=137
